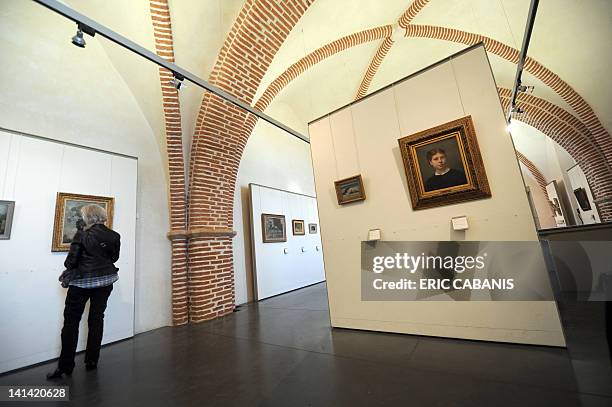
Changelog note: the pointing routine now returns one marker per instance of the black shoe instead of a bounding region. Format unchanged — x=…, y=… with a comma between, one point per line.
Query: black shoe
x=91, y=366
x=57, y=374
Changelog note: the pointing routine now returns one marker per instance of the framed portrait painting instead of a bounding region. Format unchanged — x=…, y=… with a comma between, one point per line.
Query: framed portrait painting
x=443, y=165
x=6, y=219
x=350, y=190
x=273, y=228
x=68, y=212
x=298, y=227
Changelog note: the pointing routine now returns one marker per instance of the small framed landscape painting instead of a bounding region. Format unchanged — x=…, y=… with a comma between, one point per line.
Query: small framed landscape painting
x=350, y=190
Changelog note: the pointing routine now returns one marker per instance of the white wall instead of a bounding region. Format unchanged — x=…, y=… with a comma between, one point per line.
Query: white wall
x=31, y=299
x=362, y=138
x=550, y=158
x=276, y=159
x=553, y=195
x=539, y=200
x=280, y=267
x=51, y=88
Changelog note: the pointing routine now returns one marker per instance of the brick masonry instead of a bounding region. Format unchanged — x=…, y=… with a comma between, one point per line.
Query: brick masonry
x=571, y=134
x=537, y=174
x=162, y=31
x=380, y=55
x=319, y=55
x=219, y=139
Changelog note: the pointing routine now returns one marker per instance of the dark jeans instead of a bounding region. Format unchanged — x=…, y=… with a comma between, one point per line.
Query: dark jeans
x=75, y=304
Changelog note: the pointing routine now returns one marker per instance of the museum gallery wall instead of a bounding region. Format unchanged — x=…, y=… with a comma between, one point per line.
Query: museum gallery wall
x=109, y=100
x=274, y=159
x=286, y=255
x=48, y=181
x=363, y=139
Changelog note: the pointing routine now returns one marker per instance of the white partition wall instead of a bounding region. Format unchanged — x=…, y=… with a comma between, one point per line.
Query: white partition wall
x=32, y=171
x=578, y=180
x=284, y=266
x=362, y=139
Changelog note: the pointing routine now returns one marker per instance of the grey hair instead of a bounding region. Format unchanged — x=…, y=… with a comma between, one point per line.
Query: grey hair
x=93, y=214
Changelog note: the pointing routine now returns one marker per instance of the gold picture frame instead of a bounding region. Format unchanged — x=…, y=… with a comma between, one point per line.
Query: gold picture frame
x=298, y=227
x=67, y=213
x=443, y=165
x=350, y=190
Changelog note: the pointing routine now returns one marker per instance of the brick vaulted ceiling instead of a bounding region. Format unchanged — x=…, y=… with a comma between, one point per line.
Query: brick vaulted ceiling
x=309, y=57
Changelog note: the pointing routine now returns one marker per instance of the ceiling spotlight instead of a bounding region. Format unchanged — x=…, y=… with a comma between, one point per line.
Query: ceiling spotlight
x=524, y=88
x=177, y=81
x=517, y=110
x=78, y=39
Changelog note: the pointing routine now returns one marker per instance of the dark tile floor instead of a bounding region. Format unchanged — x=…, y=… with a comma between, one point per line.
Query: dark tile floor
x=282, y=352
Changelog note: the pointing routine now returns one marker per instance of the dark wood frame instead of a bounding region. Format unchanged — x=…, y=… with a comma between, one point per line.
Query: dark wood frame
x=263, y=228
x=60, y=206
x=338, y=183
x=296, y=222
x=477, y=186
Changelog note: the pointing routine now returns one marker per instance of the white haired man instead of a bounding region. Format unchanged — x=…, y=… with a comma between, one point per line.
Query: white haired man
x=93, y=252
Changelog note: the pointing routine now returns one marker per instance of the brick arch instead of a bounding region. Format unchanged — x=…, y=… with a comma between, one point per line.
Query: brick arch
x=381, y=53
x=411, y=12
x=534, y=170
x=220, y=136
x=567, y=131
x=164, y=47
x=537, y=175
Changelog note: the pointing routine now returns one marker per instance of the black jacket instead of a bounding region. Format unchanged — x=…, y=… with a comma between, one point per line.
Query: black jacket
x=93, y=252
x=451, y=179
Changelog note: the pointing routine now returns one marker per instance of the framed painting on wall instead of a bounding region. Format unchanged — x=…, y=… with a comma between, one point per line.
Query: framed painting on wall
x=350, y=190
x=443, y=165
x=298, y=227
x=6, y=219
x=68, y=212
x=582, y=199
x=273, y=228
x=312, y=228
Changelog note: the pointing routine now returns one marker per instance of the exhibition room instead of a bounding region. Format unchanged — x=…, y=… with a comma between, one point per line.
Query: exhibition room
x=306, y=202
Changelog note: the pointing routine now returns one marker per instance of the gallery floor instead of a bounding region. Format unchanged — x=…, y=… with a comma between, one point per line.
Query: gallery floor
x=282, y=352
